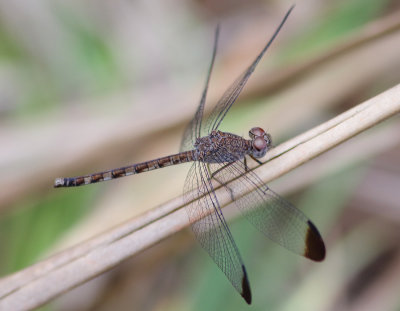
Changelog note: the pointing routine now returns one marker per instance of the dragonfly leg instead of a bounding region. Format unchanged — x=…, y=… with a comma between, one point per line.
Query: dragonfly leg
x=246, y=168
x=213, y=176
x=255, y=159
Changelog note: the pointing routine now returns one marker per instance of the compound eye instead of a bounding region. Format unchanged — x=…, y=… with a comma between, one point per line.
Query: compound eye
x=257, y=131
x=259, y=143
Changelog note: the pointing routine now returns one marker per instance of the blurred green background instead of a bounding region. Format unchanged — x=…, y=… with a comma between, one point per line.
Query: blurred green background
x=87, y=86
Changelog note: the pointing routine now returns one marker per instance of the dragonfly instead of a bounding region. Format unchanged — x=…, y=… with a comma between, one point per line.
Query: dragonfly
x=220, y=159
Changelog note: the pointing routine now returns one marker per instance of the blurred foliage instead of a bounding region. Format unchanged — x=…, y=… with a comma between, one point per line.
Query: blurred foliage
x=29, y=230
x=94, y=55
x=342, y=18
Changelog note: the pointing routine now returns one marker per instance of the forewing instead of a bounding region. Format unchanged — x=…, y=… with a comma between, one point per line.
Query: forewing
x=225, y=103
x=211, y=230
x=193, y=130
x=274, y=216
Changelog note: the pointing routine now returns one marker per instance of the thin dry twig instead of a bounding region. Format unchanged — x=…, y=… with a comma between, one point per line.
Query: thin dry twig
x=43, y=281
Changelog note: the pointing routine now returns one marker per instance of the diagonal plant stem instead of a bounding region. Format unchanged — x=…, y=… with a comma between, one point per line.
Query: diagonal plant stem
x=41, y=282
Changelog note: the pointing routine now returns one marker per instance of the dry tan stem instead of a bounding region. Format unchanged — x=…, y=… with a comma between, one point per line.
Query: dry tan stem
x=43, y=281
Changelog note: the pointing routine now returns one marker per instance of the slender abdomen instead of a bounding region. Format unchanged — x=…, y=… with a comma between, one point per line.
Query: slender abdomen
x=178, y=158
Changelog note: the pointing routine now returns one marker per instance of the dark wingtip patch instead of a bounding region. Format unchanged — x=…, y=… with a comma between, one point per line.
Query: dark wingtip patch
x=315, y=247
x=246, y=293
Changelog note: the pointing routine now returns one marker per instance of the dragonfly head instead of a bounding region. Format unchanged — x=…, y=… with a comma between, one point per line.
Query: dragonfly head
x=260, y=141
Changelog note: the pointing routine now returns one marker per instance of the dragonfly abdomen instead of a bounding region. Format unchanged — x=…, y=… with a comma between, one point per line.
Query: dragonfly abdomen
x=182, y=157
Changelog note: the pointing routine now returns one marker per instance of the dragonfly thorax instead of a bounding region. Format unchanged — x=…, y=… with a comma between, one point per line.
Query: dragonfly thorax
x=220, y=147
x=260, y=142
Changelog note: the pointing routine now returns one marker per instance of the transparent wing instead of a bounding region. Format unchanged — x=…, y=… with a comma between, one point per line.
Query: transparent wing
x=277, y=218
x=225, y=103
x=193, y=129
x=211, y=230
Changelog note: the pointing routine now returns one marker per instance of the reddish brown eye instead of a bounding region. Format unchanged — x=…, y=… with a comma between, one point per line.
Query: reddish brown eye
x=257, y=131
x=259, y=143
